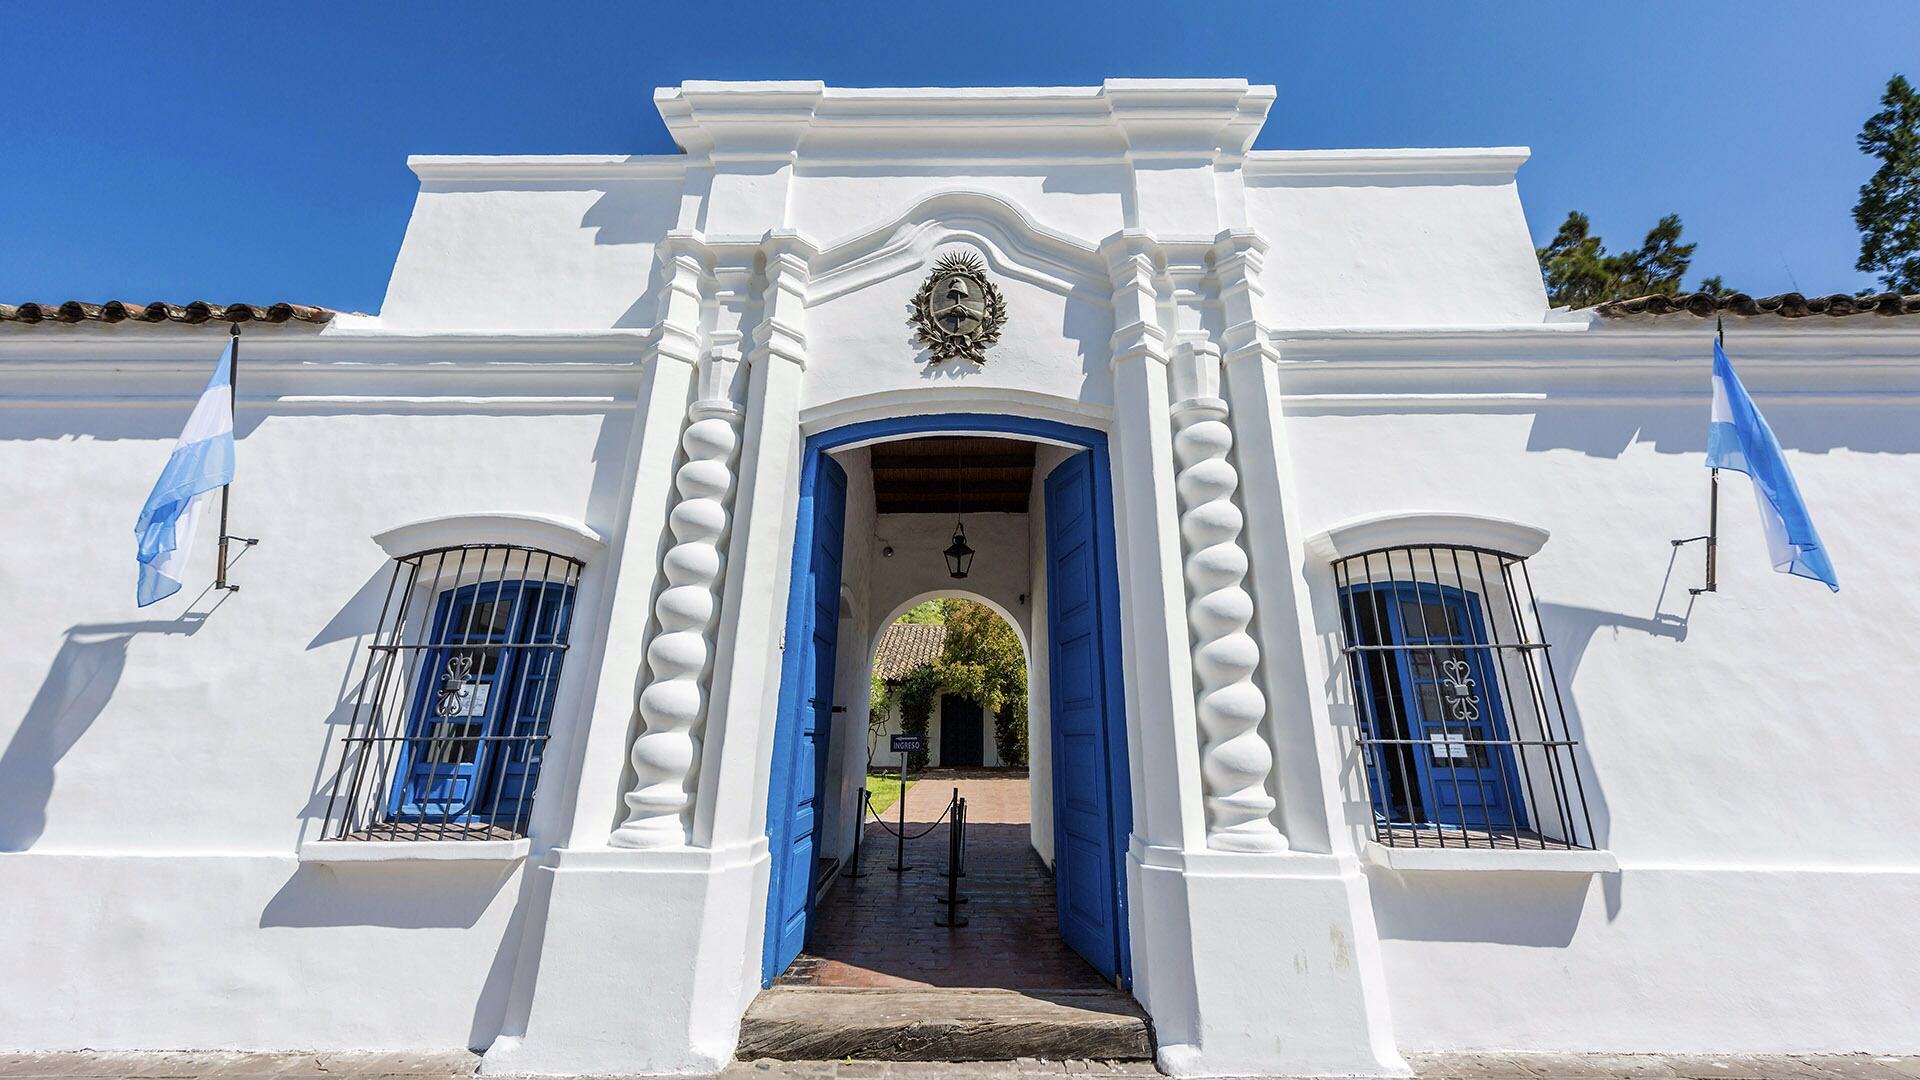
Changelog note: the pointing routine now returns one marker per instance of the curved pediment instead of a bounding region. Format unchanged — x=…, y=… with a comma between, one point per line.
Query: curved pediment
x=1014, y=245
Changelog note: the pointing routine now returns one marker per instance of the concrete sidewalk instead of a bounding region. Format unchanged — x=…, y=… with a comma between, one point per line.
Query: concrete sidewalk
x=332, y=1066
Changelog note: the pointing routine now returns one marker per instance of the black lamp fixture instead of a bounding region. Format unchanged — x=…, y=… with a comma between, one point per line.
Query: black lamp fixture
x=959, y=555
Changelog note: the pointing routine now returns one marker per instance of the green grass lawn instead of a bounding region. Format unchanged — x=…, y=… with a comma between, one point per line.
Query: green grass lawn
x=883, y=790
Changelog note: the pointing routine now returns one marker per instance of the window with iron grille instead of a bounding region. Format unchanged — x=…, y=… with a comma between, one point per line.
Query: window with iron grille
x=1463, y=740
x=451, y=718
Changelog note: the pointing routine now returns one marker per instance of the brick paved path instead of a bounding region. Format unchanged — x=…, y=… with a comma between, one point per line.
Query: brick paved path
x=332, y=1066
x=878, y=931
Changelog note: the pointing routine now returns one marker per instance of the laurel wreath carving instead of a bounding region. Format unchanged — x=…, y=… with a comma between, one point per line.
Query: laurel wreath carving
x=944, y=344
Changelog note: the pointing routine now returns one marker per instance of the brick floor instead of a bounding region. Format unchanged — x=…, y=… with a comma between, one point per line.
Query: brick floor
x=337, y=1066
x=878, y=930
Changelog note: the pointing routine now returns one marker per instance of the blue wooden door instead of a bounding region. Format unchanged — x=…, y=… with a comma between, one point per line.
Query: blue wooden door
x=545, y=614
x=806, y=702
x=486, y=695
x=1449, y=692
x=464, y=684
x=1089, y=783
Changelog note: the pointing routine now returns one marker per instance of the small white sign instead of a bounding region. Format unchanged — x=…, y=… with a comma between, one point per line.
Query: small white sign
x=1447, y=744
x=472, y=699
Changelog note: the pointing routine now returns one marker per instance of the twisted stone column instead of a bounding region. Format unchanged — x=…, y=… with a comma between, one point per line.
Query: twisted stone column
x=673, y=703
x=1235, y=759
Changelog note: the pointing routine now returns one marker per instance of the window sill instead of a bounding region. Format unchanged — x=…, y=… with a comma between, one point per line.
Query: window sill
x=1483, y=860
x=414, y=851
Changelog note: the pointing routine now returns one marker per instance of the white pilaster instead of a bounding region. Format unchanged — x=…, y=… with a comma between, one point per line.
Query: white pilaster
x=1158, y=680
x=641, y=907
x=1235, y=760
x=1297, y=723
x=631, y=566
x=1285, y=965
x=672, y=706
x=733, y=787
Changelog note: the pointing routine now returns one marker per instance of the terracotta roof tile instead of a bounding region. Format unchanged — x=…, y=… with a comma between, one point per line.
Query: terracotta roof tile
x=905, y=647
x=1786, y=305
x=199, y=311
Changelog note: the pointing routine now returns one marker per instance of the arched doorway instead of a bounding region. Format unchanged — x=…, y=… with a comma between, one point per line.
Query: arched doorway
x=1087, y=768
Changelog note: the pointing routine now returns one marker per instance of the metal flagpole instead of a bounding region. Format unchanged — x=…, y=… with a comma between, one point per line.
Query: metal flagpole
x=1713, y=501
x=233, y=399
x=233, y=406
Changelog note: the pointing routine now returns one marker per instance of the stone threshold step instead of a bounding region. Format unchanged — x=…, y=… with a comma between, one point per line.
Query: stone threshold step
x=816, y=1023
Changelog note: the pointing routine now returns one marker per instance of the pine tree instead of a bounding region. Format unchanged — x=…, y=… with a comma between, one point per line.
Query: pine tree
x=1579, y=273
x=1888, y=213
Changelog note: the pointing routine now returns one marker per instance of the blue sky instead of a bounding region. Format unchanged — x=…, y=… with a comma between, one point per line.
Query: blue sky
x=178, y=152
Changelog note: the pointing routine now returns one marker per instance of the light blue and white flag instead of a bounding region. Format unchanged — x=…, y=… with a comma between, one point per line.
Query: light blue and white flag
x=1739, y=439
x=202, y=461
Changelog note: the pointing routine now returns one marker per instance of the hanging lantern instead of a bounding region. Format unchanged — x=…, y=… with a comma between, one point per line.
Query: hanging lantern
x=959, y=555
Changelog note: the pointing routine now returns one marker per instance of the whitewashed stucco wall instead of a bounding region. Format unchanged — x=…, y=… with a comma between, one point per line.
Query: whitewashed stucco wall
x=159, y=767
x=514, y=254
x=1739, y=748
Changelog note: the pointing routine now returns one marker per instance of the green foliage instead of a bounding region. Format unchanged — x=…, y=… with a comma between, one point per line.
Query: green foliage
x=933, y=611
x=917, y=693
x=1888, y=213
x=982, y=661
x=884, y=789
x=1579, y=273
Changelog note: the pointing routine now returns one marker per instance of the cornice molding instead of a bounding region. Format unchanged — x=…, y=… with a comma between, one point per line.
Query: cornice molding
x=1014, y=244
x=1497, y=162
x=438, y=168
x=1122, y=119
x=1421, y=528
x=559, y=535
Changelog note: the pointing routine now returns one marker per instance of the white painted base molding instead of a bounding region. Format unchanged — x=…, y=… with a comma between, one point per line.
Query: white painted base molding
x=641, y=971
x=1251, y=964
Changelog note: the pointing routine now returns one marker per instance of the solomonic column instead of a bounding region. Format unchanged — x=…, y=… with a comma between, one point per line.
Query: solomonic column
x=1235, y=760
x=672, y=704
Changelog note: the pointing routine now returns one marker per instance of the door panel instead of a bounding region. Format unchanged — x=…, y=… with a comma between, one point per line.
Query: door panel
x=1089, y=823
x=1437, y=689
x=459, y=703
x=961, y=742
x=794, y=819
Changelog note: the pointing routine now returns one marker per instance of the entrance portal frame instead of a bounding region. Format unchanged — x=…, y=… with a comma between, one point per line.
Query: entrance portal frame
x=787, y=725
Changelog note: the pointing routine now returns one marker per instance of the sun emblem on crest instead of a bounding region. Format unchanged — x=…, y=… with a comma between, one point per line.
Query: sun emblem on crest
x=958, y=313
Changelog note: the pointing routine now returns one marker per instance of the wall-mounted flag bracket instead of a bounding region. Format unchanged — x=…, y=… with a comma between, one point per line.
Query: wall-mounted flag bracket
x=233, y=403
x=1712, y=535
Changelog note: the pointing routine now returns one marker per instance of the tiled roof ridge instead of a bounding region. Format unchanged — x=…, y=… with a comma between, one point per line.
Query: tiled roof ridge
x=199, y=311
x=1791, y=305
x=906, y=647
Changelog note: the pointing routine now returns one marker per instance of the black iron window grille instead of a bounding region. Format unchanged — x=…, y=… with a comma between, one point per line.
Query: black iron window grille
x=451, y=717
x=1463, y=740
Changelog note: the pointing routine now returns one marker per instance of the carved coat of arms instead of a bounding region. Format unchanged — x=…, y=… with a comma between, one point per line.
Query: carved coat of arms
x=958, y=313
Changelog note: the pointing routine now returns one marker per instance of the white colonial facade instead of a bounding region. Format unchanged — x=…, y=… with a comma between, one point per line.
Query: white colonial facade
x=1286, y=366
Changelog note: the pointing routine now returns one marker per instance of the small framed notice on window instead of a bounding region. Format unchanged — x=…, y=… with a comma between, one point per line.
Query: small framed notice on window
x=1448, y=746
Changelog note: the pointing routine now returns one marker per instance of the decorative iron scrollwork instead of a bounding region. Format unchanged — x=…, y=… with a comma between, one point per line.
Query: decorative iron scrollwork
x=456, y=686
x=1461, y=700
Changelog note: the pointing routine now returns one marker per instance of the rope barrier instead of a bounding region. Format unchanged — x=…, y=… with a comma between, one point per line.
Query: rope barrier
x=891, y=831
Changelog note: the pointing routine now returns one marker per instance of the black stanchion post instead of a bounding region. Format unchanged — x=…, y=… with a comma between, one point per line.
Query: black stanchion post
x=859, y=830
x=953, y=822
x=900, y=838
x=956, y=814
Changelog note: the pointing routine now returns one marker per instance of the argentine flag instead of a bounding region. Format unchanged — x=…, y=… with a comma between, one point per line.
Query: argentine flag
x=202, y=461
x=1739, y=439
